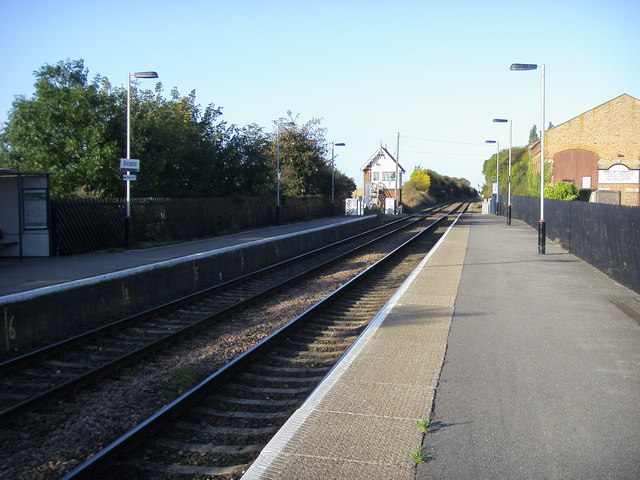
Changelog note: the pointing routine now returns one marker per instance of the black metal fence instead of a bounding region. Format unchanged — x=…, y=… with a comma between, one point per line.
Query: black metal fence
x=605, y=236
x=90, y=224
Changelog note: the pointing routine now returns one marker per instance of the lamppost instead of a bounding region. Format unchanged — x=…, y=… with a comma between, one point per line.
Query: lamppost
x=128, y=200
x=541, y=224
x=333, y=170
x=280, y=125
x=497, y=173
x=504, y=120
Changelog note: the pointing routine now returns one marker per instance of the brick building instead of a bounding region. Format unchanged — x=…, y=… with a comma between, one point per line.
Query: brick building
x=599, y=152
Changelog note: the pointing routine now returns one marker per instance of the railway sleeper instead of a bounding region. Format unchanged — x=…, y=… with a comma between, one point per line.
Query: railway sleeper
x=58, y=363
x=185, y=471
x=39, y=374
x=224, y=420
x=357, y=310
x=296, y=355
x=11, y=397
x=225, y=431
x=107, y=355
x=279, y=360
x=329, y=338
x=290, y=371
x=25, y=387
x=252, y=390
x=204, y=449
x=246, y=402
x=339, y=321
x=284, y=382
x=310, y=349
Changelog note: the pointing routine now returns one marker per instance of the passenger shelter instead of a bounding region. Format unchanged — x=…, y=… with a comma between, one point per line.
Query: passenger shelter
x=25, y=214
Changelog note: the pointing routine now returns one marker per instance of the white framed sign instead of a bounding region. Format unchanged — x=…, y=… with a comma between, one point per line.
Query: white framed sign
x=35, y=208
x=130, y=164
x=618, y=173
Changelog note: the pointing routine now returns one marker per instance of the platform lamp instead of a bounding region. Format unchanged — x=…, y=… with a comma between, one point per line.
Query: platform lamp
x=541, y=224
x=504, y=120
x=128, y=200
x=333, y=170
x=497, y=173
x=279, y=127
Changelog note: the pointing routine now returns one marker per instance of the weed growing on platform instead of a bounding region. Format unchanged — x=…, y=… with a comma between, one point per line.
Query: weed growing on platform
x=424, y=425
x=418, y=455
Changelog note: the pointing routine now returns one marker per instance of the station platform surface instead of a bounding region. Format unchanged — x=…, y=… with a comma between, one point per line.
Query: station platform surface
x=31, y=273
x=524, y=364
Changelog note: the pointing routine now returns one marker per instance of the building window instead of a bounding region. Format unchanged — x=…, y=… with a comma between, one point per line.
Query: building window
x=376, y=176
x=388, y=176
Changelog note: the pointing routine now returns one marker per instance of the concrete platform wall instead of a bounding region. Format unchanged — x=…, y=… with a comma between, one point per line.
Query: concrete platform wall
x=38, y=317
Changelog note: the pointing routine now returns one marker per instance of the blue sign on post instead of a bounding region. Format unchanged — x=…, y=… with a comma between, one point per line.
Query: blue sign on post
x=129, y=164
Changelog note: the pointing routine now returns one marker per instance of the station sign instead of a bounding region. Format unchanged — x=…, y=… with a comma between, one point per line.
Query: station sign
x=129, y=178
x=618, y=173
x=129, y=164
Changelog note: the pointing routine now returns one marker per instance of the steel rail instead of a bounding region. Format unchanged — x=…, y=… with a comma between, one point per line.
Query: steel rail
x=92, y=375
x=132, y=439
x=43, y=352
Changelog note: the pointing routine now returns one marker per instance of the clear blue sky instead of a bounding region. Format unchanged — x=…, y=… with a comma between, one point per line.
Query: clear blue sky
x=430, y=70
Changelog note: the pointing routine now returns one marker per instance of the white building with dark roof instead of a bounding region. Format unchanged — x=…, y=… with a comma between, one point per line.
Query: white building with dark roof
x=382, y=180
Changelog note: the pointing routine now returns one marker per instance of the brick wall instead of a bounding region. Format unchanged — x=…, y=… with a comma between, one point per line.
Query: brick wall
x=612, y=132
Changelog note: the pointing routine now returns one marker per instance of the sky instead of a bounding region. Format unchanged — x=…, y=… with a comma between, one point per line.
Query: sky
x=432, y=74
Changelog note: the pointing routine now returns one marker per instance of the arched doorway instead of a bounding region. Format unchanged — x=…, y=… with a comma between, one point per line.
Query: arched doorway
x=579, y=167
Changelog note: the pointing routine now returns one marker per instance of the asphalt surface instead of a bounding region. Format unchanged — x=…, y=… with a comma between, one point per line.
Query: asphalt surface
x=541, y=377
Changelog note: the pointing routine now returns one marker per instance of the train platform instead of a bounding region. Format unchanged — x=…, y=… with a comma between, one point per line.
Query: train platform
x=525, y=365
x=20, y=275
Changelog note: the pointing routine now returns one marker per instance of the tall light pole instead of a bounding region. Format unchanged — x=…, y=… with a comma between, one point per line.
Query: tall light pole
x=333, y=170
x=542, y=234
x=504, y=120
x=128, y=200
x=497, y=173
x=396, y=207
x=279, y=127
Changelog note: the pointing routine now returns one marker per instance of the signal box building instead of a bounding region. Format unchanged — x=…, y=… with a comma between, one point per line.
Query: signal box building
x=599, y=152
x=380, y=174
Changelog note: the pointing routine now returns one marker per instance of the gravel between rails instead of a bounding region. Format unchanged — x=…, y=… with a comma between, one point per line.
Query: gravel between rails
x=49, y=443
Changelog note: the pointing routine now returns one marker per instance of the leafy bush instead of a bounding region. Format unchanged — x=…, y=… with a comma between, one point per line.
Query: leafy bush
x=561, y=191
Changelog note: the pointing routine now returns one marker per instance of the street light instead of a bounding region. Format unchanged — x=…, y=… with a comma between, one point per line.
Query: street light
x=280, y=125
x=541, y=224
x=333, y=145
x=504, y=120
x=128, y=201
x=497, y=173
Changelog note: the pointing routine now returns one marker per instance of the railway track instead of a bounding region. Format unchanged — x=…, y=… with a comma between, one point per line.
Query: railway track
x=219, y=427
x=32, y=380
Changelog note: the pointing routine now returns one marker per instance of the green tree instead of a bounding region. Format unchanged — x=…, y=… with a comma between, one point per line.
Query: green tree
x=304, y=169
x=533, y=134
x=76, y=129
x=420, y=180
x=69, y=127
x=247, y=153
x=561, y=191
x=181, y=147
